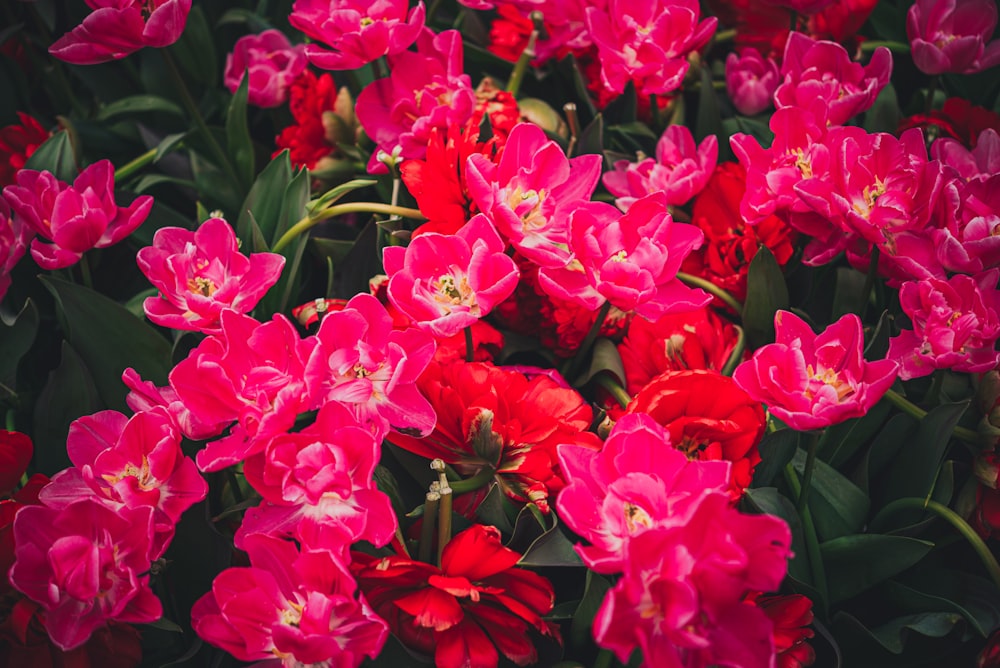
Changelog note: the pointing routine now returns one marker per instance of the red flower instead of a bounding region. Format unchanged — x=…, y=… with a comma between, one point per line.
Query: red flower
x=989, y=657
x=709, y=417
x=462, y=613
x=15, y=455
x=730, y=244
x=489, y=417
x=323, y=116
x=791, y=616
x=17, y=143
x=957, y=118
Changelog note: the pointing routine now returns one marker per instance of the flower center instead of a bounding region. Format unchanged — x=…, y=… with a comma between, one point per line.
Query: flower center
x=832, y=378
x=203, y=286
x=636, y=517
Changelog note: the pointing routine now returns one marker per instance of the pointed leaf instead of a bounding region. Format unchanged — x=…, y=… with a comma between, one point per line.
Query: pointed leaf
x=771, y=502
x=595, y=589
x=766, y=294
x=857, y=563
x=261, y=203
x=776, y=450
x=57, y=156
x=838, y=506
x=16, y=337
x=238, y=135
x=552, y=548
x=139, y=104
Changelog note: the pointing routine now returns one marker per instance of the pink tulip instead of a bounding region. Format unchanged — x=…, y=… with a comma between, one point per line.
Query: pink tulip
x=967, y=236
x=751, y=80
x=14, y=240
x=74, y=217
x=812, y=381
x=680, y=170
x=199, y=274
x=529, y=194
x=273, y=64
x=359, y=31
x=447, y=282
x=85, y=564
x=956, y=324
x=820, y=76
x=647, y=42
x=629, y=260
x=117, y=28
x=982, y=162
x=953, y=36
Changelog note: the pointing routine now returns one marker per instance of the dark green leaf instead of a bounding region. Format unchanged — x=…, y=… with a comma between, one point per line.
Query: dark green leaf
x=261, y=201
x=709, y=120
x=16, y=337
x=604, y=358
x=168, y=144
x=766, y=294
x=591, y=138
x=884, y=115
x=165, y=624
x=160, y=215
x=552, y=548
x=595, y=589
x=361, y=263
x=890, y=440
x=776, y=449
x=893, y=635
x=293, y=204
x=945, y=590
x=569, y=69
x=57, y=156
x=494, y=510
x=238, y=135
x=148, y=181
x=837, y=505
x=841, y=441
x=878, y=342
x=334, y=249
x=857, y=563
x=253, y=21
x=139, y=104
x=334, y=194
x=768, y=500
x=109, y=339
x=847, y=294
x=195, y=50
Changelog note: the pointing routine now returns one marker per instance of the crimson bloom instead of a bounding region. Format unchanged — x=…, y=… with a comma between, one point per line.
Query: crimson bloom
x=812, y=381
x=791, y=615
x=75, y=218
x=17, y=143
x=475, y=604
x=117, y=28
x=201, y=273
x=323, y=117
x=15, y=455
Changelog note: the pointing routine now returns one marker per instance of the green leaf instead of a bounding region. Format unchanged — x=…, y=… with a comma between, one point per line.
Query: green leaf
x=591, y=139
x=885, y=447
x=951, y=597
x=841, y=441
x=893, y=634
x=552, y=548
x=261, y=204
x=57, y=156
x=768, y=500
x=333, y=249
x=16, y=337
x=70, y=393
x=195, y=50
x=168, y=144
x=595, y=589
x=766, y=294
x=776, y=450
x=604, y=359
x=494, y=510
x=709, y=120
x=139, y=104
x=165, y=624
x=569, y=69
x=838, y=506
x=847, y=294
x=148, y=181
x=884, y=115
x=857, y=563
x=238, y=135
x=109, y=339
x=253, y=21
x=160, y=215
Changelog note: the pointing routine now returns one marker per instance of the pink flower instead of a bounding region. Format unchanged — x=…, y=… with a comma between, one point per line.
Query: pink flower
x=85, y=564
x=249, y=372
x=131, y=463
x=812, y=381
x=362, y=362
x=967, y=236
x=956, y=324
x=982, y=162
x=447, y=282
x=531, y=191
x=425, y=90
x=14, y=239
x=950, y=36
x=273, y=64
x=680, y=598
x=117, y=28
x=201, y=273
x=680, y=170
x=647, y=42
x=359, y=31
x=636, y=482
x=630, y=260
x=144, y=396
x=321, y=475
x=820, y=76
x=298, y=604
x=75, y=218
x=751, y=80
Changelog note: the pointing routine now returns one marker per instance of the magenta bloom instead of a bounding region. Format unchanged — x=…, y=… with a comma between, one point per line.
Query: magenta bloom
x=956, y=324
x=14, y=239
x=117, y=28
x=131, y=463
x=359, y=31
x=647, y=42
x=680, y=170
x=425, y=90
x=812, y=381
x=74, y=217
x=301, y=605
x=447, y=282
x=630, y=260
x=982, y=162
x=85, y=564
x=952, y=36
x=250, y=372
x=751, y=80
x=201, y=273
x=362, y=362
x=322, y=475
x=821, y=77
x=273, y=64
x=530, y=193
x=968, y=241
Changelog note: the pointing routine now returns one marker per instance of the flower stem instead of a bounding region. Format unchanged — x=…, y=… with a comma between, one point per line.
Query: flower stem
x=521, y=66
x=234, y=485
x=812, y=541
x=711, y=288
x=931, y=90
x=614, y=389
x=866, y=291
x=353, y=207
x=431, y=502
x=88, y=280
x=807, y=472
x=444, y=521
x=477, y=481
x=737, y=355
x=470, y=346
x=953, y=518
x=130, y=168
x=905, y=405
x=575, y=362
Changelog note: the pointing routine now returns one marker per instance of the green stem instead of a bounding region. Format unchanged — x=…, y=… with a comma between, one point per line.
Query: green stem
x=953, y=518
x=290, y=277
x=807, y=472
x=88, y=280
x=725, y=35
x=934, y=391
x=426, y=547
x=354, y=207
x=234, y=485
x=931, y=90
x=470, y=346
x=444, y=521
x=711, y=288
x=9, y=423
x=614, y=389
x=905, y=405
x=521, y=66
x=737, y=355
x=866, y=291
x=812, y=541
x=870, y=45
x=477, y=481
x=192, y=108
x=604, y=659
x=575, y=362
x=130, y=168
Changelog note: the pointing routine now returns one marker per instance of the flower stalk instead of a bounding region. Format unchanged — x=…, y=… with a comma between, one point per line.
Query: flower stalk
x=316, y=217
